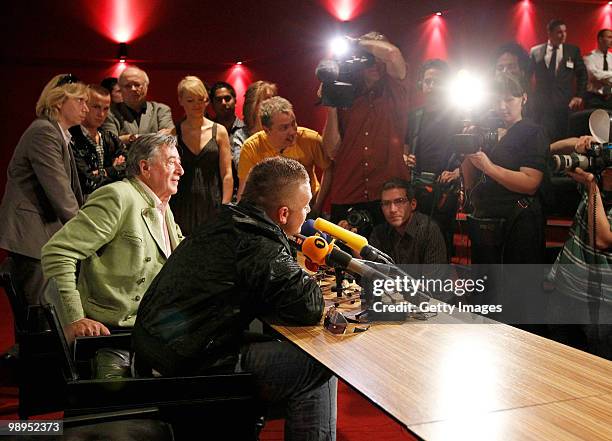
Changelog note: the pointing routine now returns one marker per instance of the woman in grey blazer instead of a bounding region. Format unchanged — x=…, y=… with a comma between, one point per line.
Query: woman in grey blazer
x=42, y=190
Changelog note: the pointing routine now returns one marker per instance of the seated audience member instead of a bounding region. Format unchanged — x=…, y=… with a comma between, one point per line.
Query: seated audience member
x=136, y=116
x=205, y=157
x=503, y=182
x=429, y=138
x=599, y=68
x=580, y=307
x=112, y=85
x=232, y=270
x=99, y=156
x=42, y=191
x=407, y=236
x=122, y=236
x=281, y=136
x=256, y=93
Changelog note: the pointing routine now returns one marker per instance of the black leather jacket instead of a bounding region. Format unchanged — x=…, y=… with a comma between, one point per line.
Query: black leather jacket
x=231, y=270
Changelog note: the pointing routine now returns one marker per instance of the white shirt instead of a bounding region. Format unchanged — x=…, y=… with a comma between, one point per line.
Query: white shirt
x=161, y=207
x=597, y=76
x=66, y=134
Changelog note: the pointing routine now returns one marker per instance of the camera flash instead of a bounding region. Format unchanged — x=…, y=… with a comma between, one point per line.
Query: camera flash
x=339, y=46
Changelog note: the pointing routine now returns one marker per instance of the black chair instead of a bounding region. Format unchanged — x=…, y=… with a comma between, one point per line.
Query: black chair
x=215, y=405
x=18, y=306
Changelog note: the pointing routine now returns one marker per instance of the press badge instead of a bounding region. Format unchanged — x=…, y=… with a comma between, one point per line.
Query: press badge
x=569, y=63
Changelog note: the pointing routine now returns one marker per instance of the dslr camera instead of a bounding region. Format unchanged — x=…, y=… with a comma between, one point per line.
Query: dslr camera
x=598, y=157
x=338, y=75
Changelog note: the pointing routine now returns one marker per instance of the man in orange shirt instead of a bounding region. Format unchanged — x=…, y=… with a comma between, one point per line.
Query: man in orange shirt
x=281, y=136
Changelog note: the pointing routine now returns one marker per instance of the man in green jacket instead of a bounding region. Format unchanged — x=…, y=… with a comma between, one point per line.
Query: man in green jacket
x=122, y=236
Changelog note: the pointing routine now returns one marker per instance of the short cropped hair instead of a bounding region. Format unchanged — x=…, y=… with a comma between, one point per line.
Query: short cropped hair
x=222, y=85
x=271, y=107
x=55, y=92
x=513, y=48
x=146, y=147
x=434, y=63
x=252, y=100
x=554, y=24
x=192, y=84
x=602, y=32
x=96, y=88
x=137, y=69
x=108, y=83
x=400, y=184
x=272, y=183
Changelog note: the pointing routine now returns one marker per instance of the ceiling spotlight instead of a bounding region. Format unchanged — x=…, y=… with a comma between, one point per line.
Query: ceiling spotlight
x=438, y=13
x=238, y=63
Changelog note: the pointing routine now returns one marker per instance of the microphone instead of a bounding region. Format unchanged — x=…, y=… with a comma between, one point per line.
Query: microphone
x=320, y=252
x=308, y=229
x=353, y=240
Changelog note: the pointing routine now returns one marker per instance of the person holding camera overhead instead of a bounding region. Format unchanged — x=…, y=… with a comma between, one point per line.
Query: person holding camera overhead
x=502, y=183
x=366, y=140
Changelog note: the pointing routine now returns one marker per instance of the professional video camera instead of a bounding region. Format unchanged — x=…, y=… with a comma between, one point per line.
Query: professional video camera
x=338, y=74
x=598, y=156
x=483, y=137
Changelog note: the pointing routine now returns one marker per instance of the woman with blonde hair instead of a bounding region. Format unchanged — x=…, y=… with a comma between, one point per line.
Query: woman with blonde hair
x=42, y=191
x=206, y=158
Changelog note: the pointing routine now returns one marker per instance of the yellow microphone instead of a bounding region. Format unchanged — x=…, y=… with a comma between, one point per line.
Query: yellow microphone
x=353, y=240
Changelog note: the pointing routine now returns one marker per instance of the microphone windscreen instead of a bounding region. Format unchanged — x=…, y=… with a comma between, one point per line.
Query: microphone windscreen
x=308, y=229
x=316, y=249
x=353, y=240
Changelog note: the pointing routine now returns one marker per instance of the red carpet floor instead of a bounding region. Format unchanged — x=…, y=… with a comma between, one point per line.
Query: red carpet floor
x=358, y=419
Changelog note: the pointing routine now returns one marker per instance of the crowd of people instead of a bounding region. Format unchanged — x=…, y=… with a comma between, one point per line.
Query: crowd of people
x=177, y=228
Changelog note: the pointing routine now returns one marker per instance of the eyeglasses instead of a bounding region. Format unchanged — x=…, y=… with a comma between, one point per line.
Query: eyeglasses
x=398, y=202
x=336, y=323
x=67, y=79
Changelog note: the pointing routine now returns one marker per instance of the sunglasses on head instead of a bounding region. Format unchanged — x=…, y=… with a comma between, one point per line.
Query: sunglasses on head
x=336, y=323
x=67, y=79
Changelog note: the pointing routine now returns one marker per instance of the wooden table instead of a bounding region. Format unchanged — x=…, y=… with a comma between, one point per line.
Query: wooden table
x=457, y=381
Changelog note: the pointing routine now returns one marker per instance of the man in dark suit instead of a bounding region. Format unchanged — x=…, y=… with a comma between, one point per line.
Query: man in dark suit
x=42, y=191
x=561, y=79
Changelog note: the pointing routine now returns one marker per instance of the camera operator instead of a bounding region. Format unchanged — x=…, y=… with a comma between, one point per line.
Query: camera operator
x=428, y=142
x=502, y=183
x=366, y=139
x=580, y=307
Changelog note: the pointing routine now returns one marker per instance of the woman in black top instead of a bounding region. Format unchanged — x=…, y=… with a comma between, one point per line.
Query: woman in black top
x=503, y=182
x=205, y=157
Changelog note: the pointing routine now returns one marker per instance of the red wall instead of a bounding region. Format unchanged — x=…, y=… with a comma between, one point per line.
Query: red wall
x=278, y=40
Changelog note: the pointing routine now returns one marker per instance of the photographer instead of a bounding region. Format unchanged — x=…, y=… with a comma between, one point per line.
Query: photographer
x=366, y=139
x=502, y=184
x=580, y=310
x=428, y=142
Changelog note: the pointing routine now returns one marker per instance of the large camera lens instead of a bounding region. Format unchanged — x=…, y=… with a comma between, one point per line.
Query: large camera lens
x=569, y=162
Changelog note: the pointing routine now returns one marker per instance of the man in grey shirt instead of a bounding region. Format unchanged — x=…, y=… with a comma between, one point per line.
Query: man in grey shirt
x=136, y=116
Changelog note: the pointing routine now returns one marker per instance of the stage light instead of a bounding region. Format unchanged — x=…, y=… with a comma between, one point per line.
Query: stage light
x=339, y=46
x=122, y=53
x=524, y=22
x=345, y=10
x=438, y=13
x=466, y=91
x=239, y=63
x=433, y=37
